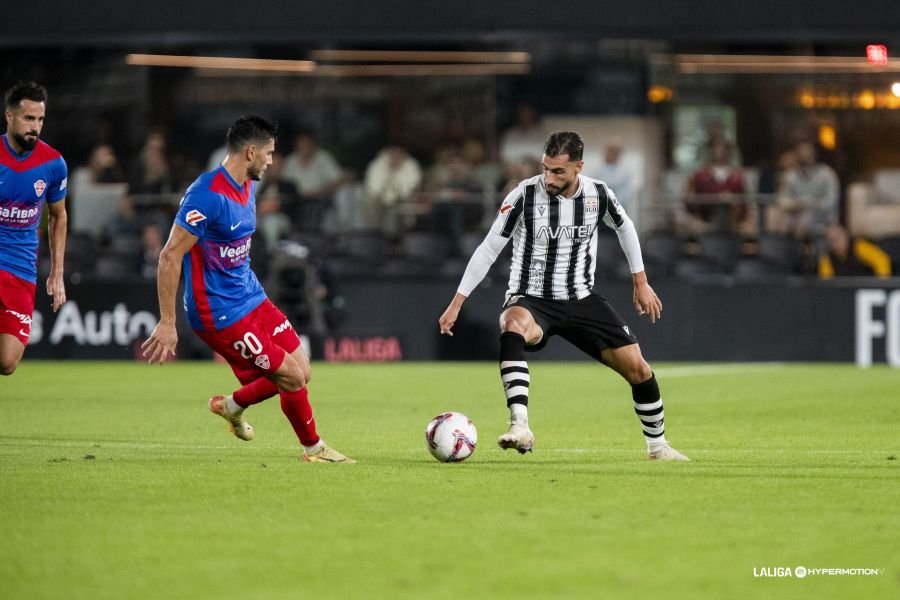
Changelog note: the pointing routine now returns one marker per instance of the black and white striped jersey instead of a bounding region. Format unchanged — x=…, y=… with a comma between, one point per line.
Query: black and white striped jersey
x=554, y=252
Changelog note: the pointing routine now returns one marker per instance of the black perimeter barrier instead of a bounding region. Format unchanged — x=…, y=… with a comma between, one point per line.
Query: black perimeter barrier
x=850, y=320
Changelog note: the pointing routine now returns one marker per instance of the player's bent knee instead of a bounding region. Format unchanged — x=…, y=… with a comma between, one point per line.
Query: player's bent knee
x=512, y=326
x=640, y=373
x=528, y=329
x=8, y=367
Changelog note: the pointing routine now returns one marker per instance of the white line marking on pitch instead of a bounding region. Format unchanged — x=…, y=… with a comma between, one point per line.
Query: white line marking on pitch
x=699, y=370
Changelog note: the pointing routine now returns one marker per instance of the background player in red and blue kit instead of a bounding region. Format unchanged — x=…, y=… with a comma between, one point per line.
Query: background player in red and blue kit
x=31, y=173
x=224, y=301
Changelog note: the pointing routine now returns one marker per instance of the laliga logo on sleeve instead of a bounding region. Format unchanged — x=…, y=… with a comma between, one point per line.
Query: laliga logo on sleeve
x=194, y=217
x=39, y=187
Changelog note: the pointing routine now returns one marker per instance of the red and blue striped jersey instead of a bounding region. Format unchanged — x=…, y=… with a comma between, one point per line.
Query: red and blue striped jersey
x=220, y=288
x=26, y=182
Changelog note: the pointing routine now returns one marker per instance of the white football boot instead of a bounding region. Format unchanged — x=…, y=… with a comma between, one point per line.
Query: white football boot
x=327, y=454
x=518, y=436
x=237, y=424
x=666, y=452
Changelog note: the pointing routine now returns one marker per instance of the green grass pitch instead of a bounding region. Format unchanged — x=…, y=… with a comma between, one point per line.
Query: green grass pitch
x=115, y=482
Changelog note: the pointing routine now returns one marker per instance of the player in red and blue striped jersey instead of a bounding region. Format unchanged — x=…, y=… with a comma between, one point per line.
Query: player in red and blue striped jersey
x=31, y=174
x=224, y=302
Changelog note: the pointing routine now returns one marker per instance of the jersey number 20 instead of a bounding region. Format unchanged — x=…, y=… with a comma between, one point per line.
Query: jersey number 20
x=249, y=346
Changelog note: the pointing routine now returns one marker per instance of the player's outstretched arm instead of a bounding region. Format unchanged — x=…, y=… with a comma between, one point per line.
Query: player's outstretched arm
x=646, y=302
x=57, y=224
x=448, y=319
x=164, y=339
x=479, y=264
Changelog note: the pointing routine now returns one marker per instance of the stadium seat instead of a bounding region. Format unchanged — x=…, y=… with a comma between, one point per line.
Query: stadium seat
x=661, y=251
x=318, y=243
x=424, y=254
x=468, y=242
x=113, y=267
x=781, y=252
x=428, y=247
x=609, y=254
x=719, y=250
x=367, y=247
x=691, y=268
x=751, y=268
x=125, y=245
x=80, y=253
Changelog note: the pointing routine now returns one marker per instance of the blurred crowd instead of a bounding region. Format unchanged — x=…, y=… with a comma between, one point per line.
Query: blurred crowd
x=423, y=215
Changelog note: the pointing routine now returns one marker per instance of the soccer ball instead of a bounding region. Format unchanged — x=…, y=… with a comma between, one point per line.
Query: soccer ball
x=451, y=437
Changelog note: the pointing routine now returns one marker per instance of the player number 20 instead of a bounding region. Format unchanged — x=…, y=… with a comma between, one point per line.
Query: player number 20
x=249, y=346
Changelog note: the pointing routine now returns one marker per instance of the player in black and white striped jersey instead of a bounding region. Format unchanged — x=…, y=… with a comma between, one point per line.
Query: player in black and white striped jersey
x=553, y=221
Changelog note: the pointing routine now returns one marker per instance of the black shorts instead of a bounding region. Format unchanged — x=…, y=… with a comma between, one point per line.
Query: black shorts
x=589, y=324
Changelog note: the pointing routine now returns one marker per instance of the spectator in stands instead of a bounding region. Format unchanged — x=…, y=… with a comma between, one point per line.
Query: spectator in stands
x=95, y=186
x=808, y=200
x=102, y=167
x=450, y=175
x=271, y=223
x=457, y=197
x=152, y=242
x=280, y=190
x=125, y=223
x=714, y=133
x=715, y=193
x=316, y=175
x=391, y=179
x=522, y=169
x=216, y=157
x=150, y=173
x=487, y=172
x=851, y=256
x=617, y=173
x=520, y=140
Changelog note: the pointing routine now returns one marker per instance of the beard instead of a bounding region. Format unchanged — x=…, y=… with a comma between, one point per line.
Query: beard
x=25, y=143
x=558, y=190
x=254, y=174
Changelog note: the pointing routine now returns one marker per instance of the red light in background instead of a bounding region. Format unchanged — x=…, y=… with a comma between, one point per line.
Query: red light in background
x=877, y=55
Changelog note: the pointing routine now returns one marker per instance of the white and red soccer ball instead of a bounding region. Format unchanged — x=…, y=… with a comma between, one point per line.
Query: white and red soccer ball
x=451, y=437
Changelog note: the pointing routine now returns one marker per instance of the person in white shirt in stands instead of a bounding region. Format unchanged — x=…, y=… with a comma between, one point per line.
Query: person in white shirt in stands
x=390, y=180
x=316, y=175
x=618, y=173
x=524, y=139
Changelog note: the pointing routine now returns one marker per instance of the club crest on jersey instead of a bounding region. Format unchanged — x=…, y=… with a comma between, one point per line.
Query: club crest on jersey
x=262, y=361
x=590, y=204
x=194, y=217
x=39, y=186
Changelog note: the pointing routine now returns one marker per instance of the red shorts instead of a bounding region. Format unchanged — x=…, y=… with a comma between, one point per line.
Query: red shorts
x=16, y=306
x=256, y=345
